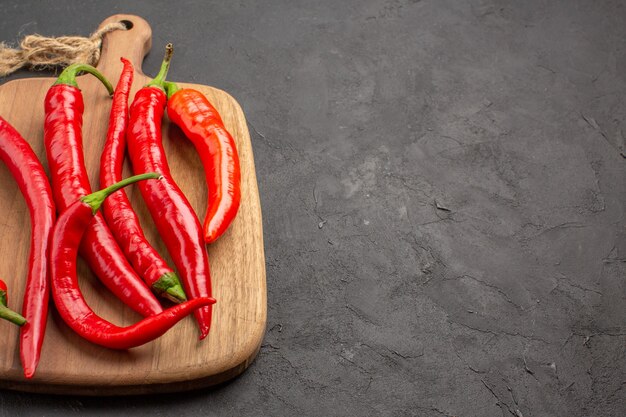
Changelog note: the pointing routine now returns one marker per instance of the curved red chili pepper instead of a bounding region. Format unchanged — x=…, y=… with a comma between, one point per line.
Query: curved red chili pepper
x=70, y=303
x=33, y=183
x=5, y=312
x=174, y=217
x=202, y=124
x=119, y=213
x=64, y=148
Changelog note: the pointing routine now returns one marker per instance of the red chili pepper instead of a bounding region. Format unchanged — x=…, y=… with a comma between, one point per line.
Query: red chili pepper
x=33, y=183
x=119, y=213
x=202, y=124
x=5, y=312
x=174, y=217
x=70, y=303
x=63, y=141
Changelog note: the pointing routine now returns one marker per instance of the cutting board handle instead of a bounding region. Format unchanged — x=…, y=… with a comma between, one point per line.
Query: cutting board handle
x=132, y=44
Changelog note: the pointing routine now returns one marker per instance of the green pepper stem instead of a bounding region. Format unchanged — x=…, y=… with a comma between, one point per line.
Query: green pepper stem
x=171, y=89
x=10, y=315
x=168, y=286
x=95, y=199
x=68, y=76
x=159, y=80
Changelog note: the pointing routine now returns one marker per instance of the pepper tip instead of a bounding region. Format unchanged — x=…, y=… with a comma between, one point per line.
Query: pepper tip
x=209, y=238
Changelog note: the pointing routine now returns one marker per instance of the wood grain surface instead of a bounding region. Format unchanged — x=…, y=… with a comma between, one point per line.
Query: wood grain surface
x=178, y=360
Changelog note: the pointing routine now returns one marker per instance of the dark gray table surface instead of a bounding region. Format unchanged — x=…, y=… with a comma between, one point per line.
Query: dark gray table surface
x=443, y=201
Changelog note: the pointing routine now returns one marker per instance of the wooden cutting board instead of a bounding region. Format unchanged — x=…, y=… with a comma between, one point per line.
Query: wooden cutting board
x=178, y=360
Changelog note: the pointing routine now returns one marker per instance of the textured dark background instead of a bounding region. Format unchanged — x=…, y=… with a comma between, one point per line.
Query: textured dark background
x=443, y=201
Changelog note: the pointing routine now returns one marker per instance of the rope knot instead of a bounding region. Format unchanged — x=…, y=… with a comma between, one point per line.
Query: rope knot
x=40, y=52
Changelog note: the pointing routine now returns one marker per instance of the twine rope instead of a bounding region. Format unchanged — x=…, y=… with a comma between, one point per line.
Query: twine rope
x=40, y=52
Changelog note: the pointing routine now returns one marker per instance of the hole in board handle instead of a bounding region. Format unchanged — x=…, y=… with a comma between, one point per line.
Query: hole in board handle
x=129, y=25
